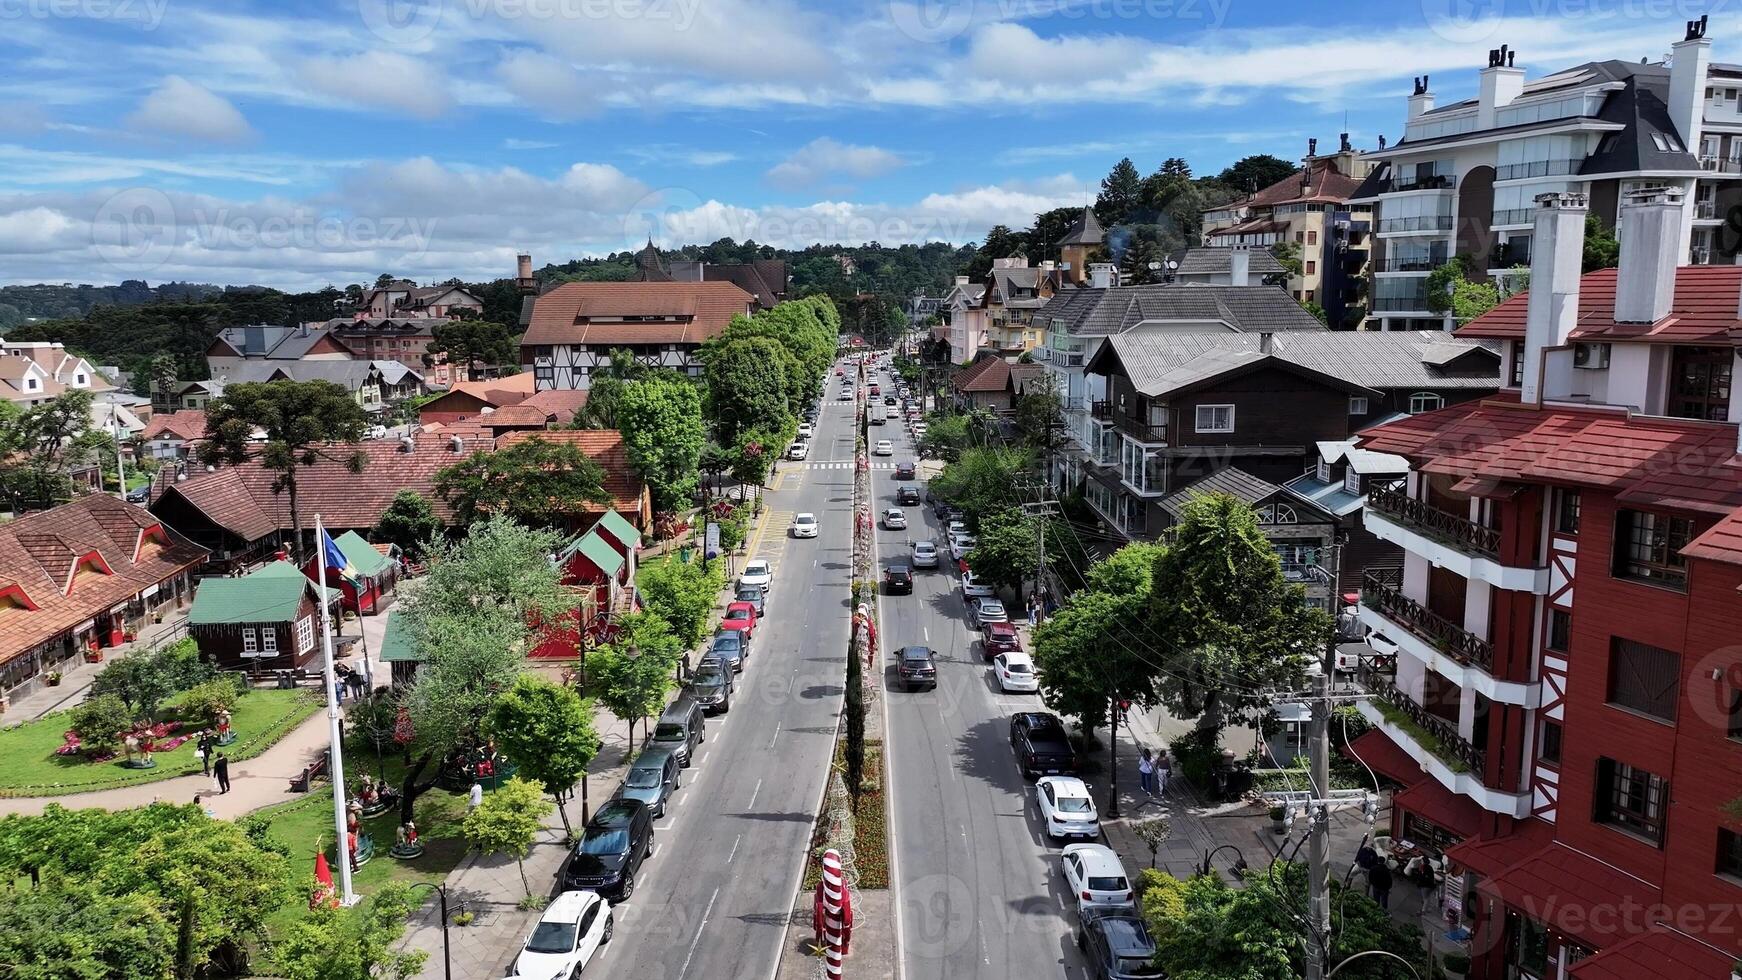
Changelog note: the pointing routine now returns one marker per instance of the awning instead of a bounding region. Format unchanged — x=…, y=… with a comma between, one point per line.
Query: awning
x=1430, y=800
x=1658, y=952
x=1384, y=756
x=1491, y=855
x=1572, y=892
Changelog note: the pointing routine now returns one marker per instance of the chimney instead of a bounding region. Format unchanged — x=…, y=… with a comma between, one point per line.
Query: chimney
x=1421, y=100
x=1651, y=235
x=1312, y=146
x=523, y=280
x=1101, y=275
x=1343, y=144
x=961, y=280
x=1500, y=84
x=1382, y=141
x=406, y=445
x=1689, y=58
x=1552, y=307
x=1240, y=265
x=456, y=444
x=1264, y=342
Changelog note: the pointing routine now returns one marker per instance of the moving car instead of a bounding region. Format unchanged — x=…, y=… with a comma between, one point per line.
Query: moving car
x=997, y=638
x=568, y=935
x=916, y=668
x=758, y=572
x=906, y=496
x=925, y=554
x=973, y=588
x=804, y=526
x=740, y=616
x=888, y=399
x=1042, y=747
x=898, y=580
x=751, y=594
x=1015, y=673
x=986, y=609
x=884, y=448
x=1095, y=877
x=711, y=685
x=652, y=778
x=798, y=450
x=729, y=649
x=1065, y=807
x=904, y=471
x=611, y=849
x=1118, y=946
x=894, y=519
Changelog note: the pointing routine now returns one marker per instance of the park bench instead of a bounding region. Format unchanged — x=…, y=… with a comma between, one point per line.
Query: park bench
x=299, y=783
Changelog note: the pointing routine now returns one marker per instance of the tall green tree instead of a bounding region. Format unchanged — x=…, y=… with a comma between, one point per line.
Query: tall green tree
x=985, y=480
x=40, y=447
x=533, y=481
x=547, y=731
x=472, y=343
x=409, y=522
x=663, y=434
x=351, y=944
x=747, y=388
x=1096, y=646
x=507, y=822
x=632, y=675
x=1007, y=550
x=1602, y=249
x=1256, y=172
x=682, y=594
x=305, y=422
x=1120, y=194
x=73, y=933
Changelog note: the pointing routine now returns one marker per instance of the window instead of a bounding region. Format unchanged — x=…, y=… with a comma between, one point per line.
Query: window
x=305, y=634
x=1700, y=383
x=1550, y=750
x=1309, y=295
x=1631, y=799
x=1300, y=237
x=1311, y=267
x=1560, y=630
x=1215, y=418
x=1322, y=472
x=1517, y=348
x=269, y=640
x=1566, y=511
x=1648, y=547
x=1312, y=239
x=1729, y=853
x=1352, y=481
x=1644, y=678
x=250, y=641
x=1424, y=401
x=1358, y=405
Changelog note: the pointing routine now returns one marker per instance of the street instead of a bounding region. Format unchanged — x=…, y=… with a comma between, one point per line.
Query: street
x=714, y=898
x=977, y=882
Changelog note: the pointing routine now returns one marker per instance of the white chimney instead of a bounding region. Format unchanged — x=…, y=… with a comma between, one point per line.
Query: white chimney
x=1651, y=234
x=1240, y=265
x=1552, y=309
x=456, y=444
x=1689, y=58
x=961, y=280
x=1266, y=342
x=1421, y=100
x=523, y=266
x=1100, y=275
x=1500, y=83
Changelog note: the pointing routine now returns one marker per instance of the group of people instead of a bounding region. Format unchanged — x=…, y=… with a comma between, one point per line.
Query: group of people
x=351, y=681
x=1152, y=773
x=212, y=761
x=1040, y=605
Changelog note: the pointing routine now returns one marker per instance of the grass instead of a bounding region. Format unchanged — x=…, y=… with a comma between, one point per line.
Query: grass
x=1422, y=736
x=261, y=718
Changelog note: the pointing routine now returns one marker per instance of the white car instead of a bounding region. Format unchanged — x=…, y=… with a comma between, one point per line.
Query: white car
x=919, y=431
x=377, y=432
x=957, y=527
x=805, y=431
x=1015, y=672
x=799, y=450
x=570, y=933
x=1382, y=645
x=973, y=588
x=961, y=544
x=1066, y=808
x=925, y=554
x=804, y=526
x=758, y=572
x=884, y=448
x=1095, y=877
x=894, y=519
x=986, y=610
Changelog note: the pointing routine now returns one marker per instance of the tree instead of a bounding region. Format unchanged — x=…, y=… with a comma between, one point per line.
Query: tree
x=1050, y=226
x=40, y=446
x=547, y=730
x=748, y=383
x=1232, y=628
x=853, y=697
x=1288, y=254
x=1120, y=194
x=663, y=434
x=408, y=522
x=304, y=422
x=631, y=675
x=71, y=933
x=1450, y=290
x=146, y=680
x=1256, y=172
x=533, y=481
x=682, y=594
x=1095, y=646
x=1040, y=415
x=161, y=377
x=469, y=342
x=946, y=437
x=1007, y=549
x=508, y=821
x=351, y=944
x=1602, y=250
x=101, y=720
x=606, y=389
x=983, y=481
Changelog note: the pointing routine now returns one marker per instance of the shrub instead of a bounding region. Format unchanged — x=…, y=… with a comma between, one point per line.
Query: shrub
x=1195, y=754
x=206, y=700
x=146, y=680
x=101, y=720
x=1457, y=963
x=1162, y=899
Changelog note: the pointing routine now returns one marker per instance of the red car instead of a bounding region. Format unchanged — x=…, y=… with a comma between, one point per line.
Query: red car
x=904, y=471
x=740, y=616
x=997, y=638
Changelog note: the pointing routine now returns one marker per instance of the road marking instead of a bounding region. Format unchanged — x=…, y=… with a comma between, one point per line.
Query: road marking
x=775, y=735
x=927, y=631
x=697, y=941
x=703, y=759
x=735, y=843
x=754, y=793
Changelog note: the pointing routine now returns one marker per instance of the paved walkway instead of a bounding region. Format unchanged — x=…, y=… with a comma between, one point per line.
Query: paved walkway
x=77, y=675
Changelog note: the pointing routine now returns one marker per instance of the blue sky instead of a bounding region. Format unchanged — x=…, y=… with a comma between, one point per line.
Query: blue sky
x=304, y=142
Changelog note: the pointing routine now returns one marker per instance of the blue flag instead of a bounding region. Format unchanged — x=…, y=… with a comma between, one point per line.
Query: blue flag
x=336, y=560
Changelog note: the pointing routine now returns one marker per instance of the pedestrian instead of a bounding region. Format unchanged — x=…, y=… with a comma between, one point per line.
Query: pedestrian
x=476, y=799
x=1366, y=857
x=1146, y=773
x=203, y=749
x=1033, y=610
x=1163, y=769
x=354, y=681
x=200, y=802
x=1379, y=881
x=221, y=772
x=342, y=678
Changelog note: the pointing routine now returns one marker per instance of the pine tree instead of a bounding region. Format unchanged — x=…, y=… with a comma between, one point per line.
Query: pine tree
x=1120, y=193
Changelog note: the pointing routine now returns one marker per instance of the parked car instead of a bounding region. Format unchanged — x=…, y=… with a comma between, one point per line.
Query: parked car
x=138, y=495
x=798, y=450
x=1042, y=747
x=884, y=448
x=804, y=526
x=925, y=554
x=740, y=616
x=917, y=667
x=757, y=572
x=904, y=471
x=568, y=935
x=1096, y=877
x=997, y=638
x=1118, y=946
x=1066, y=808
x=680, y=728
x=973, y=588
x=919, y=431
x=732, y=647
x=898, y=580
x=376, y=432
x=986, y=609
x=907, y=496
x=1015, y=673
x=712, y=685
x=956, y=527
x=652, y=778
x=611, y=850
x=961, y=544
x=751, y=594
x=805, y=430
x=894, y=519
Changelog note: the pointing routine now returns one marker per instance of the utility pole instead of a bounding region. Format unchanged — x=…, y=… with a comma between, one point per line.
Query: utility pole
x=1319, y=813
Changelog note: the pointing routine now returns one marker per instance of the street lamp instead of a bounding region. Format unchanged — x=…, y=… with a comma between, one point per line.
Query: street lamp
x=1240, y=864
x=442, y=890
x=1374, y=952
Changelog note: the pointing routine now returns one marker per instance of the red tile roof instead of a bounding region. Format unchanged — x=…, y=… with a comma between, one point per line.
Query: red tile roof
x=605, y=447
x=42, y=555
x=1326, y=184
x=1491, y=855
x=1385, y=757
x=521, y=414
x=560, y=404
x=988, y=374
x=595, y=312
x=1721, y=542
x=1704, y=310
x=188, y=425
x=1562, y=887
x=1659, y=951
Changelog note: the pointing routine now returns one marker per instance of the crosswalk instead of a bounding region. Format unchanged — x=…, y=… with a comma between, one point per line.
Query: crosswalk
x=844, y=464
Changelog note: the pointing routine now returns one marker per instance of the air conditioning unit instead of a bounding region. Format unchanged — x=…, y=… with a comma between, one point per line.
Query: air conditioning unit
x=1592, y=357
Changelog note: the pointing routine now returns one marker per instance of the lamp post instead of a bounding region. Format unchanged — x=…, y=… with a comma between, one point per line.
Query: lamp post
x=1239, y=864
x=442, y=891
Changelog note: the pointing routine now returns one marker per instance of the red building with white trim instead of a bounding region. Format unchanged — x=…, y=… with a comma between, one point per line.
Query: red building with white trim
x=1567, y=705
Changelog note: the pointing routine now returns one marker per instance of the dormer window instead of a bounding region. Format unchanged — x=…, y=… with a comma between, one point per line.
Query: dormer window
x=1352, y=481
x=1323, y=472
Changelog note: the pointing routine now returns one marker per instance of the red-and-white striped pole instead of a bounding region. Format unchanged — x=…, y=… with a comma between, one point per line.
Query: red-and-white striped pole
x=834, y=886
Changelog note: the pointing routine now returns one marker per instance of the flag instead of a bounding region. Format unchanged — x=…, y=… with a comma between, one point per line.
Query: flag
x=337, y=562
x=323, y=893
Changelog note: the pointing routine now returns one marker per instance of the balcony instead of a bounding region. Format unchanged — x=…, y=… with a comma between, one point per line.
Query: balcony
x=1537, y=168
x=1410, y=264
x=1705, y=210
x=1142, y=432
x=1428, y=730
x=1400, y=304
x=1513, y=216
x=1074, y=403
x=1424, y=182
x=1102, y=410
x=1416, y=223
x=1719, y=165
x=1449, y=541
x=1466, y=534
x=1446, y=636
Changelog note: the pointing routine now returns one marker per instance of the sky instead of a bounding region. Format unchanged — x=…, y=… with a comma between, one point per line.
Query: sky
x=300, y=143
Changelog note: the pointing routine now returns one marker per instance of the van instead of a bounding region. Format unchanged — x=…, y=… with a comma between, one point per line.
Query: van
x=680, y=728
x=878, y=414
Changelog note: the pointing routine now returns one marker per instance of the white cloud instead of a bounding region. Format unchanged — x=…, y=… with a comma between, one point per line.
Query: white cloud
x=514, y=143
x=824, y=157
x=180, y=108
x=550, y=85
x=380, y=79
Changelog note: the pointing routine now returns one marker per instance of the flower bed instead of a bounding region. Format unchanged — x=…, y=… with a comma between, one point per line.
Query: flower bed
x=862, y=836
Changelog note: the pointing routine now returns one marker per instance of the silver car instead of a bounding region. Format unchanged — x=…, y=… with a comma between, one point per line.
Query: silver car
x=986, y=610
x=652, y=779
x=894, y=519
x=925, y=554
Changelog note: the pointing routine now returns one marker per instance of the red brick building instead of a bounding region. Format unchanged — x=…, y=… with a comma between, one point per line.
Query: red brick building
x=1567, y=707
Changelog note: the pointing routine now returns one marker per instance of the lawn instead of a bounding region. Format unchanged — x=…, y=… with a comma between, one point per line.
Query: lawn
x=32, y=768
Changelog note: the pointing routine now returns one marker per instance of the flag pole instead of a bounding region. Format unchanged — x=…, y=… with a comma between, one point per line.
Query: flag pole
x=336, y=764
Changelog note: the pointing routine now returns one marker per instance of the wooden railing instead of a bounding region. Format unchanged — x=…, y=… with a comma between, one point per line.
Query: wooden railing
x=1432, y=732
x=1461, y=531
x=1446, y=636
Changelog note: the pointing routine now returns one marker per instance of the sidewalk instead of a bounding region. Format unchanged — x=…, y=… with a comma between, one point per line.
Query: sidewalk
x=77, y=675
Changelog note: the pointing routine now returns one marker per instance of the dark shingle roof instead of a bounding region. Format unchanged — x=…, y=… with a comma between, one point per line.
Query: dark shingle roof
x=1639, y=107
x=1105, y=312
x=1231, y=480
x=1086, y=230
x=1211, y=260
x=1162, y=362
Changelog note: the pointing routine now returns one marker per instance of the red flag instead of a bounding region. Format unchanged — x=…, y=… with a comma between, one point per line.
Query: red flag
x=324, y=893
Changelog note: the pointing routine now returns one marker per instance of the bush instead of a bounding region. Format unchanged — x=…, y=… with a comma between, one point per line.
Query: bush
x=1457, y=963
x=206, y=700
x=101, y=720
x=1162, y=899
x=146, y=680
x=1195, y=755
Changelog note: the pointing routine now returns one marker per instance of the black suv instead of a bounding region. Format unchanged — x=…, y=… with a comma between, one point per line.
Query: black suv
x=1042, y=747
x=916, y=668
x=711, y=685
x=907, y=496
x=611, y=849
x=898, y=580
x=1118, y=945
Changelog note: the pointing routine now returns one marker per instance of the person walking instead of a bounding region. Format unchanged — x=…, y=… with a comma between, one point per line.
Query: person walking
x=1163, y=770
x=1033, y=610
x=476, y=799
x=354, y=681
x=1146, y=773
x=203, y=749
x=221, y=772
x=1379, y=880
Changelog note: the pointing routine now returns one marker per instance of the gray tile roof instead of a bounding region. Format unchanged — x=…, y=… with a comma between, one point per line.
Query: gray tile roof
x=1160, y=362
x=348, y=374
x=1209, y=261
x=1086, y=230
x=274, y=341
x=1106, y=312
x=1231, y=480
